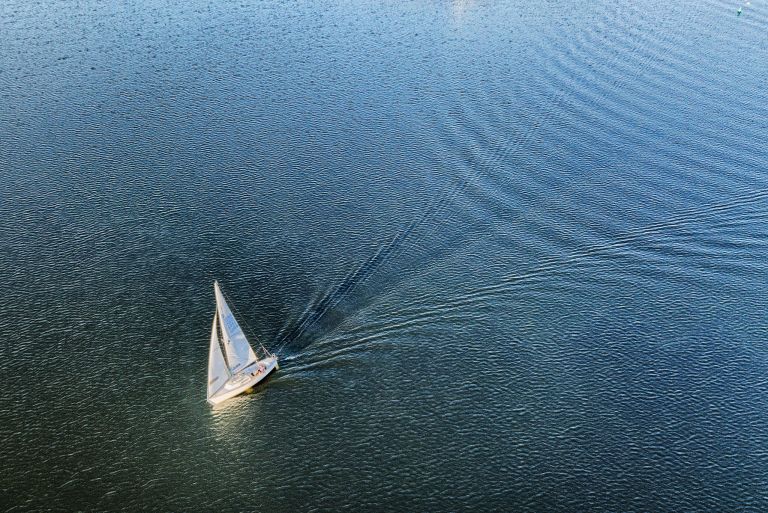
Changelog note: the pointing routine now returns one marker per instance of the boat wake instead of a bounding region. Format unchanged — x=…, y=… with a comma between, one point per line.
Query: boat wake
x=423, y=311
x=328, y=312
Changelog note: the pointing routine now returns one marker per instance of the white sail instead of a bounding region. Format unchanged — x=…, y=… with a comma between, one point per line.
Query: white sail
x=239, y=351
x=218, y=373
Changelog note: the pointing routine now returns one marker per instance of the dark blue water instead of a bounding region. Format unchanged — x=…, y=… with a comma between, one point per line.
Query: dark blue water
x=514, y=255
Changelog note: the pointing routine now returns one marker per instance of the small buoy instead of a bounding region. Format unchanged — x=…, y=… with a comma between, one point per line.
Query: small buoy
x=249, y=390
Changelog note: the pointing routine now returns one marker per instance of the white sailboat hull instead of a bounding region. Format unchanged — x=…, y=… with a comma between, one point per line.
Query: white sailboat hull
x=243, y=380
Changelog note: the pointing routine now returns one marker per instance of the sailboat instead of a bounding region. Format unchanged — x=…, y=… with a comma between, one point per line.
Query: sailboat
x=237, y=368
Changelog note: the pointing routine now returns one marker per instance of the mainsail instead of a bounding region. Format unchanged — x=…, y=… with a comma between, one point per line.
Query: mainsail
x=218, y=373
x=239, y=351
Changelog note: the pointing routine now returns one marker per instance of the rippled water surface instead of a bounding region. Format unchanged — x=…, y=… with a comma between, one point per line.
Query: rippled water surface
x=513, y=254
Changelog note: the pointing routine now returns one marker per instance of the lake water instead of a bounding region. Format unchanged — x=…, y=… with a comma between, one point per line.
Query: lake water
x=514, y=255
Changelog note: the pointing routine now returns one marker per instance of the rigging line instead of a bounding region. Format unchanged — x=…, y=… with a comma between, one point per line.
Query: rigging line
x=242, y=318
